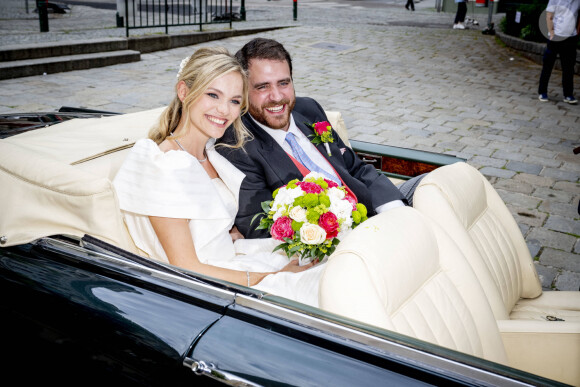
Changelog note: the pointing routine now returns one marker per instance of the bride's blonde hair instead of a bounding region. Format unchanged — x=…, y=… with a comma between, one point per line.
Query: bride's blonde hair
x=199, y=71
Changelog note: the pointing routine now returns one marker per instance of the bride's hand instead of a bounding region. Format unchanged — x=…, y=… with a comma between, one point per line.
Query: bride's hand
x=294, y=267
x=235, y=234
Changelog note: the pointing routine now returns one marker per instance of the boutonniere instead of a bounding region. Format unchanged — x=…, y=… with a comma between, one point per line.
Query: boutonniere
x=322, y=134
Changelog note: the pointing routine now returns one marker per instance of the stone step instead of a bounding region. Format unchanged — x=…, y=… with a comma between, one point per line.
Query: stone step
x=51, y=65
x=53, y=49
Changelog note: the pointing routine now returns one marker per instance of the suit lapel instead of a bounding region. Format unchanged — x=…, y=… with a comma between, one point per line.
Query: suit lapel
x=272, y=151
x=302, y=123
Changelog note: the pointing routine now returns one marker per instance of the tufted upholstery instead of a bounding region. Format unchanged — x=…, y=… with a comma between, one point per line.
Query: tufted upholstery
x=424, y=290
x=402, y=272
x=460, y=199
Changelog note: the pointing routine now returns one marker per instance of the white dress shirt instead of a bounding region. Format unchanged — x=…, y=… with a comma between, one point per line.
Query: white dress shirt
x=280, y=137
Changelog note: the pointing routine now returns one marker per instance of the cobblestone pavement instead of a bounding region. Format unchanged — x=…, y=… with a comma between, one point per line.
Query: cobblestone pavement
x=400, y=78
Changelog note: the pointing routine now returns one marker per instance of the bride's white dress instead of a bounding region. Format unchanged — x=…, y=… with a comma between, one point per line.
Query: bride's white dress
x=174, y=184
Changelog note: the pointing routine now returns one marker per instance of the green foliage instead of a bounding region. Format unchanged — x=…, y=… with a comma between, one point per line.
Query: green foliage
x=503, y=25
x=362, y=209
x=527, y=33
x=529, y=26
x=313, y=213
x=324, y=200
x=296, y=225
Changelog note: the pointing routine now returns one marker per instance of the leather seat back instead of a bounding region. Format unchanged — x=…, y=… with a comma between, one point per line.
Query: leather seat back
x=401, y=272
x=460, y=199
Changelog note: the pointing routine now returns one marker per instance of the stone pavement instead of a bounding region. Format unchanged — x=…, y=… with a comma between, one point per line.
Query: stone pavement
x=400, y=78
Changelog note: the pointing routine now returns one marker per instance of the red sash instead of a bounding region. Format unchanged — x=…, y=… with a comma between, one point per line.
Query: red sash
x=305, y=171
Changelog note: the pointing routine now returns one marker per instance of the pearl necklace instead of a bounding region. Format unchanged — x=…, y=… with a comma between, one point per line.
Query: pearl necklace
x=201, y=161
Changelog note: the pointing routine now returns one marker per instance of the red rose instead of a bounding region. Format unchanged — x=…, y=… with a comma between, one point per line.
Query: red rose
x=331, y=184
x=282, y=228
x=329, y=222
x=321, y=127
x=309, y=187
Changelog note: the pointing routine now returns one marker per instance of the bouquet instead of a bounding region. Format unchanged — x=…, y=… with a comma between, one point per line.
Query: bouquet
x=310, y=215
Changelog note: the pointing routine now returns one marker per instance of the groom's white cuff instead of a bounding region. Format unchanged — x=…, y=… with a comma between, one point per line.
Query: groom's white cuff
x=389, y=205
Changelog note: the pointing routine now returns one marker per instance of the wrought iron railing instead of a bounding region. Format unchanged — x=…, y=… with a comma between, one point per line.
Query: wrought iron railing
x=173, y=13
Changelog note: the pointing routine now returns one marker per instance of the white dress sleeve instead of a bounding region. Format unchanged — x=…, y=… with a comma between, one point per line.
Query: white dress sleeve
x=171, y=184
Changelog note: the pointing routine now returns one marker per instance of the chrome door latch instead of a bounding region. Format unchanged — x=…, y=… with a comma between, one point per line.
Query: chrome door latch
x=199, y=367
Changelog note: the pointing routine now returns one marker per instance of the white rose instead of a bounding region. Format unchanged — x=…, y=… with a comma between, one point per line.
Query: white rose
x=346, y=224
x=298, y=214
x=286, y=196
x=335, y=194
x=312, y=234
x=341, y=208
x=283, y=200
x=279, y=212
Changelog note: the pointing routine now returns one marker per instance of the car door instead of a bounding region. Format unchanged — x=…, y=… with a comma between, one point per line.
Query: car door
x=276, y=342
x=74, y=316
x=85, y=313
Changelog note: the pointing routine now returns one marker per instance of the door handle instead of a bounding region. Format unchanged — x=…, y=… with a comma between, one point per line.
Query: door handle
x=199, y=367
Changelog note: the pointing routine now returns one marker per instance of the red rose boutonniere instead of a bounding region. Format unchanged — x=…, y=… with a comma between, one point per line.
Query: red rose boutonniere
x=322, y=134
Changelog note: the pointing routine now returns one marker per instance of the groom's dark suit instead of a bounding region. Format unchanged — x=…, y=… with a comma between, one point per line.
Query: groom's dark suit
x=267, y=167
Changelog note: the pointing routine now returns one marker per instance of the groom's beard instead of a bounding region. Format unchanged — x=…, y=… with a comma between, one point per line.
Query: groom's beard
x=280, y=121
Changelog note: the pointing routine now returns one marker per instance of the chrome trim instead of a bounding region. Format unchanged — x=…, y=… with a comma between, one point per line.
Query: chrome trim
x=199, y=367
x=397, y=351
x=112, y=258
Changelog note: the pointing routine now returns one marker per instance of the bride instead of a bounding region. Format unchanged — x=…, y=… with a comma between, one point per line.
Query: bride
x=179, y=197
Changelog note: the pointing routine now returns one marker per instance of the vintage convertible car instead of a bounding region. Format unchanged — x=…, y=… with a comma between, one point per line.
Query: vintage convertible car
x=428, y=295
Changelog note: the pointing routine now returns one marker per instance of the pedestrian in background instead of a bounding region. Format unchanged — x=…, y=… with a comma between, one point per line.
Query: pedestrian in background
x=563, y=30
x=410, y=4
x=460, y=15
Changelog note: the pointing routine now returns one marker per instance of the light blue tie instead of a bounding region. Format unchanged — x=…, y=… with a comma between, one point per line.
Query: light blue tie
x=301, y=156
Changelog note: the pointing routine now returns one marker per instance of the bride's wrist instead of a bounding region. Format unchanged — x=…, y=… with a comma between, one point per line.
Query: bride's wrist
x=255, y=278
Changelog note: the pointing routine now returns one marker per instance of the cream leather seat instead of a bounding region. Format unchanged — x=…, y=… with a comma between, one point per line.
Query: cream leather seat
x=59, y=179
x=463, y=202
x=406, y=274
x=409, y=277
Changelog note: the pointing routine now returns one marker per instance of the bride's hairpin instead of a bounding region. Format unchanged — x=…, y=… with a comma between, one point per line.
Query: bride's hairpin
x=182, y=65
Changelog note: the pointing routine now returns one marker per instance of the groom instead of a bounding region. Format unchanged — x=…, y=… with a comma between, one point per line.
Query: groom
x=281, y=149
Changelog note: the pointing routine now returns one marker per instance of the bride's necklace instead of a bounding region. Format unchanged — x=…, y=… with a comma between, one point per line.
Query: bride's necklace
x=201, y=161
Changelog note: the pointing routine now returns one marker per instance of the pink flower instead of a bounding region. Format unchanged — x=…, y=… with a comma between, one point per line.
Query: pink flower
x=331, y=184
x=282, y=228
x=309, y=187
x=321, y=127
x=351, y=199
x=329, y=222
